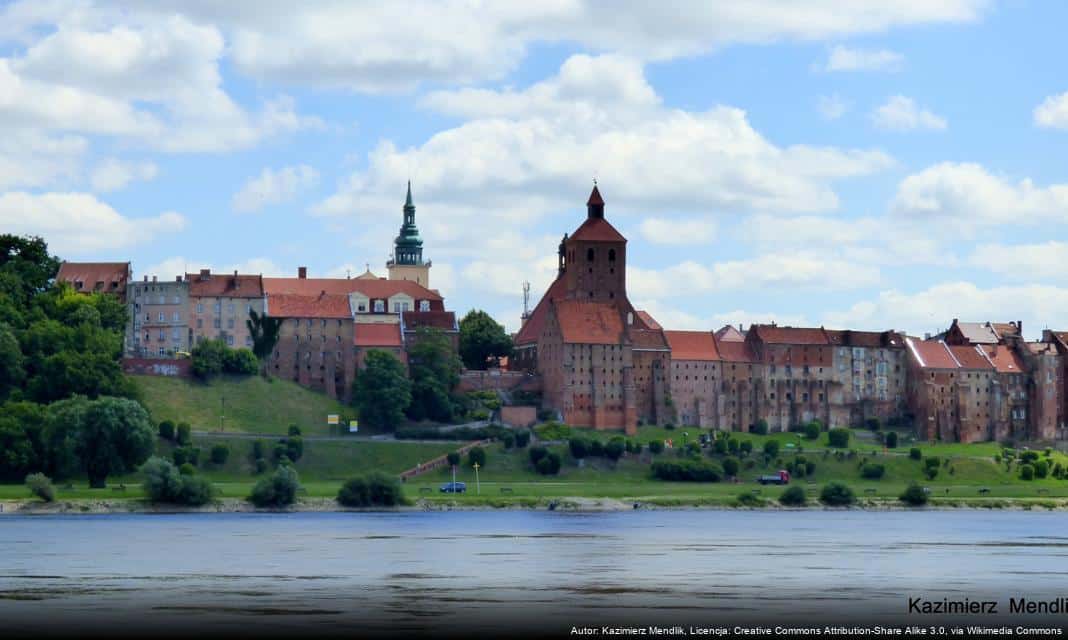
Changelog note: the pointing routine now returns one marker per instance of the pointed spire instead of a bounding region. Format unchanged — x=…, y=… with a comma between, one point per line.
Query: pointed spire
x=595, y=205
x=408, y=200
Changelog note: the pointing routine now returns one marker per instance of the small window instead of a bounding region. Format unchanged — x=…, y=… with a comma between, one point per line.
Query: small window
x=611, y=255
x=589, y=254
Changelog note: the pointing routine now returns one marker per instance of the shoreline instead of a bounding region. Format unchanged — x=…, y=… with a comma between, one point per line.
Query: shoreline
x=33, y=507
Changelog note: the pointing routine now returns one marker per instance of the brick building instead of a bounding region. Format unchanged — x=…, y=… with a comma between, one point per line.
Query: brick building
x=220, y=305
x=315, y=341
x=98, y=277
x=158, y=322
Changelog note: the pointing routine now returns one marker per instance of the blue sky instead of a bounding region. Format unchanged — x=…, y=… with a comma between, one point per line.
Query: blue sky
x=868, y=165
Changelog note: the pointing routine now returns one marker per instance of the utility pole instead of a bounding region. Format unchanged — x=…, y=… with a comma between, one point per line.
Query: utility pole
x=478, y=487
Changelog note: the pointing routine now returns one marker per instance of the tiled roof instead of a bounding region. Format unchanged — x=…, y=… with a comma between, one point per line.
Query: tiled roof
x=931, y=355
x=692, y=345
x=1004, y=329
x=111, y=275
x=597, y=230
x=774, y=334
x=435, y=319
x=377, y=289
x=324, y=305
x=588, y=322
x=870, y=339
x=1004, y=359
x=648, y=319
x=729, y=334
x=226, y=285
x=1037, y=348
x=978, y=332
x=731, y=351
x=970, y=357
x=647, y=338
x=595, y=197
x=377, y=334
x=531, y=329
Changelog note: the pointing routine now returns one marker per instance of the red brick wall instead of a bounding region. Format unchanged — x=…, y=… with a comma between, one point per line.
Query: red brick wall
x=519, y=416
x=318, y=355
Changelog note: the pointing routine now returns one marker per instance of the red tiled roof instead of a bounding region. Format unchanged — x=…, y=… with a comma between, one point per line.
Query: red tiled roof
x=112, y=275
x=648, y=319
x=647, y=338
x=595, y=197
x=377, y=334
x=436, y=319
x=931, y=355
x=774, y=334
x=692, y=345
x=531, y=329
x=325, y=305
x=597, y=230
x=970, y=357
x=225, y=285
x=1005, y=359
x=378, y=289
x=588, y=322
x=1004, y=329
x=729, y=334
x=735, y=352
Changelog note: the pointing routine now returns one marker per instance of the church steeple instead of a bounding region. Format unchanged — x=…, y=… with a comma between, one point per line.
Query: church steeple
x=595, y=205
x=408, y=246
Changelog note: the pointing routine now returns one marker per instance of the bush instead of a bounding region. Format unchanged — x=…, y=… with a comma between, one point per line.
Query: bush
x=477, y=455
x=730, y=466
x=793, y=497
x=522, y=438
x=687, y=471
x=549, y=464
x=220, y=453
x=931, y=472
x=1029, y=456
x=164, y=483
x=553, y=431
x=536, y=454
x=453, y=458
x=732, y=445
x=812, y=430
x=760, y=428
x=746, y=447
x=257, y=449
x=836, y=494
x=41, y=486
x=373, y=490
x=838, y=438
x=915, y=453
x=914, y=495
x=873, y=424
x=508, y=440
x=891, y=439
x=810, y=468
x=261, y=465
x=277, y=490
x=187, y=469
x=873, y=471
x=240, y=361
x=596, y=448
x=184, y=434
x=615, y=447
x=293, y=430
x=195, y=491
x=186, y=455
x=580, y=448
x=656, y=446
x=1041, y=469
x=720, y=446
x=771, y=448
x=1027, y=472
x=669, y=426
x=166, y=430
x=749, y=499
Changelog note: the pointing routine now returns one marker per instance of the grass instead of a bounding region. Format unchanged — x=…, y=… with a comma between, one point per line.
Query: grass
x=252, y=404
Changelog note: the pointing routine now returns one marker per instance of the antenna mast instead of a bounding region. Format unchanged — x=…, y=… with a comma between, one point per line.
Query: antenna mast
x=526, y=301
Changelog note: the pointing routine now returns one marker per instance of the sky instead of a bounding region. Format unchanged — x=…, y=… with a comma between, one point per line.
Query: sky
x=851, y=164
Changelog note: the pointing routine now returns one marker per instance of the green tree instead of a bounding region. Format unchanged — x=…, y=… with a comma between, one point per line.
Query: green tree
x=12, y=372
x=26, y=266
x=277, y=490
x=812, y=430
x=476, y=455
x=41, y=486
x=838, y=438
x=771, y=448
x=163, y=482
x=891, y=439
x=730, y=466
x=166, y=430
x=914, y=495
x=613, y=450
x=435, y=372
x=115, y=436
x=382, y=391
x=1027, y=472
x=453, y=457
x=22, y=448
x=793, y=497
x=580, y=448
x=836, y=494
x=220, y=453
x=209, y=357
x=264, y=331
x=240, y=362
x=482, y=338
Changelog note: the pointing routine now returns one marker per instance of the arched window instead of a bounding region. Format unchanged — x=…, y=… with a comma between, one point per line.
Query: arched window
x=589, y=254
x=611, y=255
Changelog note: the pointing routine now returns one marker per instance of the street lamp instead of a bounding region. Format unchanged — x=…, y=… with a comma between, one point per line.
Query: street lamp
x=222, y=416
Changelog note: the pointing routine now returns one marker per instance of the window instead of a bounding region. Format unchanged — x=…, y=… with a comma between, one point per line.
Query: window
x=217, y=307
x=248, y=341
x=163, y=299
x=230, y=340
x=231, y=307
x=380, y=306
x=217, y=323
x=424, y=305
x=200, y=323
x=611, y=255
x=162, y=335
x=200, y=308
x=162, y=352
x=230, y=323
x=589, y=254
x=177, y=300
x=177, y=316
x=162, y=316
x=361, y=308
x=176, y=334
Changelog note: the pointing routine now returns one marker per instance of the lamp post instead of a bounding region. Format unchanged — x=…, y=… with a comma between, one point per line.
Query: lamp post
x=222, y=416
x=478, y=487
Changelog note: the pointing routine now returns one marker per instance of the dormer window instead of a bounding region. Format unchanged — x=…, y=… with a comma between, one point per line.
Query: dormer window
x=380, y=306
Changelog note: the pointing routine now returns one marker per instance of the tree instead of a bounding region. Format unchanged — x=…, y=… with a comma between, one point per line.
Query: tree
x=277, y=490
x=838, y=438
x=12, y=372
x=115, y=436
x=382, y=391
x=771, y=448
x=549, y=465
x=373, y=490
x=166, y=430
x=22, y=448
x=915, y=453
x=208, y=358
x=435, y=372
x=891, y=439
x=453, y=457
x=476, y=455
x=614, y=449
x=163, y=482
x=793, y=497
x=184, y=434
x=482, y=338
x=1027, y=472
x=580, y=448
x=914, y=495
x=872, y=471
x=26, y=265
x=220, y=453
x=812, y=430
x=240, y=362
x=264, y=331
x=836, y=494
x=41, y=486
x=730, y=466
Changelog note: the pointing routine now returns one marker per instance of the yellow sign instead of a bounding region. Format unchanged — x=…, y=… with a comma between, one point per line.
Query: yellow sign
x=354, y=426
x=333, y=418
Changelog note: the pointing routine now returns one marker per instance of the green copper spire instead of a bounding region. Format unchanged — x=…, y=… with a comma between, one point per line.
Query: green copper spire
x=408, y=247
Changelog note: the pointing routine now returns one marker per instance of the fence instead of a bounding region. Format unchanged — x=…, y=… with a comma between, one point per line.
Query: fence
x=440, y=461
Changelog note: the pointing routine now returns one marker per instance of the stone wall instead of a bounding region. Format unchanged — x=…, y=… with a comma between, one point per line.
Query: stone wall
x=522, y=416
x=181, y=368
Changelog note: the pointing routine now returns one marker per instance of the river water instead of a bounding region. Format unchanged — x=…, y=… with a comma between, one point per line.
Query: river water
x=492, y=573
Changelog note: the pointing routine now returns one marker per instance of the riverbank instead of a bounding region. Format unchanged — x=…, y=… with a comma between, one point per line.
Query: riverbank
x=564, y=504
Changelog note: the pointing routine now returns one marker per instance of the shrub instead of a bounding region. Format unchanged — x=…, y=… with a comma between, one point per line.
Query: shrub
x=277, y=490
x=1058, y=471
x=580, y=448
x=812, y=430
x=373, y=490
x=184, y=433
x=522, y=438
x=180, y=456
x=873, y=471
x=477, y=455
x=915, y=453
x=733, y=445
x=293, y=430
x=760, y=428
x=669, y=426
x=166, y=430
x=838, y=438
x=749, y=499
x=914, y=495
x=195, y=490
x=730, y=466
x=615, y=447
x=1029, y=456
x=220, y=453
x=41, y=486
x=810, y=468
x=278, y=451
x=553, y=431
x=793, y=497
x=596, y=448
x=771, y=448
x=873, y=424
x=656, y=446
x=508, y=440
x=549, y=464
x=746, y=447
x=687, y=471
x=257, y=449
x=163, y=483
x=836, y=494
x=187, y=469
x=931, y=472
x=536, y=454
x=1041, y=469
x=891, y=439
x=261, y=465
x=294, y=447
x=720, y=447
x=240, y=361
x=1027, y=472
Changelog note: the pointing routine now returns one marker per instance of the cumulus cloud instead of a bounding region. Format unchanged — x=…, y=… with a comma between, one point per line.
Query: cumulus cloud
x=1053, y=112
x=273, y=187
x=78, y=223
x=168, y=268
x=1045, y=260
x=32, y=159
x=846, y=59
x=677, y=231
x=901, y=113
x=112, y=174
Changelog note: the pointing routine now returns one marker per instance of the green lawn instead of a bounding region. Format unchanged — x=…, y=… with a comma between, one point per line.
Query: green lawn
x=252, y=404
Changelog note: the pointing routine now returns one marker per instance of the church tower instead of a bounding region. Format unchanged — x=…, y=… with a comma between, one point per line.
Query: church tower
x=407, y=260
x=594, y=258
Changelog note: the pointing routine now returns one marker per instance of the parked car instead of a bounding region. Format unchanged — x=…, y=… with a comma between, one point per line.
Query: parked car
x=454, y=487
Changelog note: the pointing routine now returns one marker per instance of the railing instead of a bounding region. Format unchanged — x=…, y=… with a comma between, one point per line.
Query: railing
x=440, y=461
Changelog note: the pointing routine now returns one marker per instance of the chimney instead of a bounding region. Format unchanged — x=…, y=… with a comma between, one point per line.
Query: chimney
x=153, y=278
x=205, y=274
x=177, y=278
x=302, y=273
x=235, y=273
x=146, y=277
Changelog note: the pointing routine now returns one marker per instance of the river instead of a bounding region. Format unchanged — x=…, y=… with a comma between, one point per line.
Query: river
x=477, y=572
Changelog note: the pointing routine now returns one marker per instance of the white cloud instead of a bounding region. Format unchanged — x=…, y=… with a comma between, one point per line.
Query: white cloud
x=1044, y=261
x=273, y=187
x=177, y=265
x=31, y=159
x=831, y=107
x=967, y=193
x=678, y=232
x=846, y=59
x=78, y=223
x=112, y=174
x=900, y=113
x=1053, y=112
